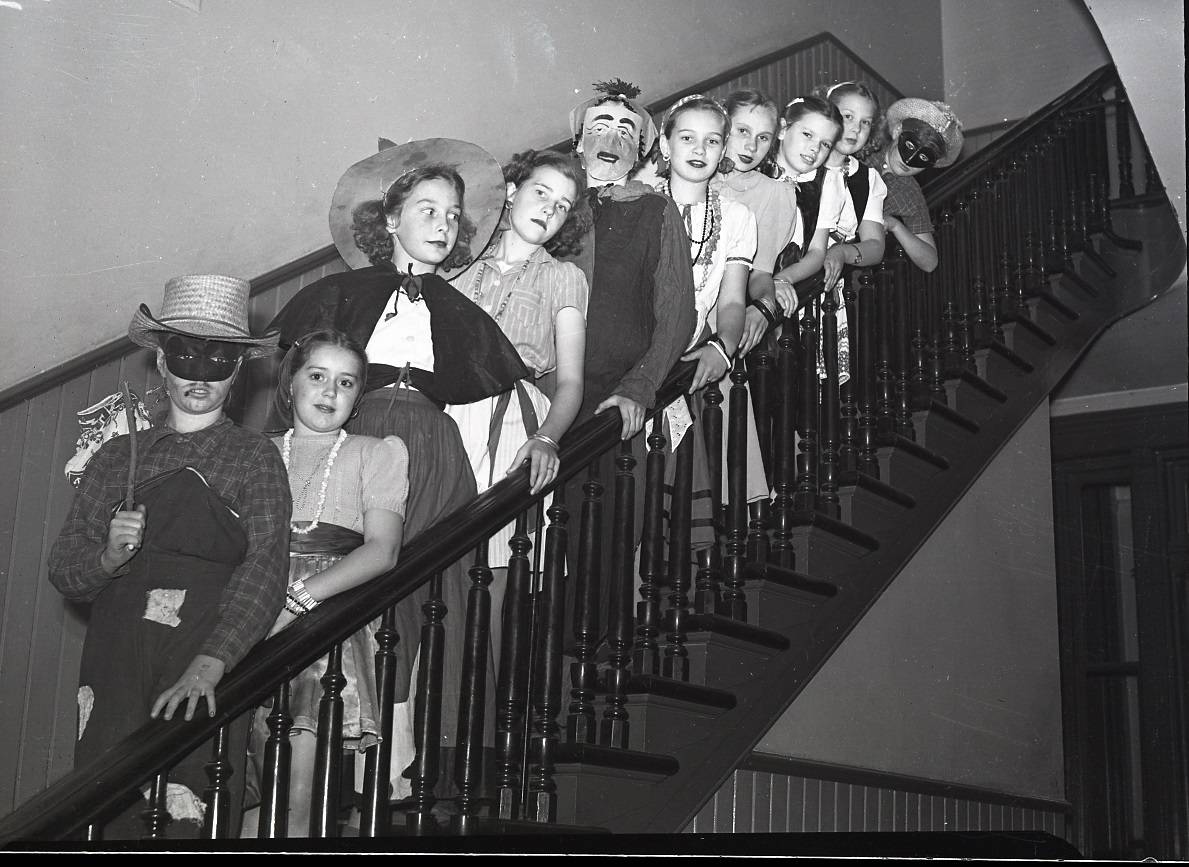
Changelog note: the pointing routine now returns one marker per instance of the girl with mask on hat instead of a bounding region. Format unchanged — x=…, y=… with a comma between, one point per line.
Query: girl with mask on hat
x=349, y=496
x=406, y=220
x=920, y=134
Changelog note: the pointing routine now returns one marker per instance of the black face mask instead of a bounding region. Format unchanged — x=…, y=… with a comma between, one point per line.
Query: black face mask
x=914, y=154
x=198, y=360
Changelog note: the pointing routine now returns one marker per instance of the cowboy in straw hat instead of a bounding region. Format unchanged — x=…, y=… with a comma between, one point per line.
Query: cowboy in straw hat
x=178, y=600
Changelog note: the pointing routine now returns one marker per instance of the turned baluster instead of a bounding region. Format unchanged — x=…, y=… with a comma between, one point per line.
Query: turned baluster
x=156, y=817
x=827, y=499
x=675, y=663
x=734, y=599
x=328, y=748
x=848, y=424
x=785, y=448
x=885, y=379
x=712, y=399
x=760, y=372
x=511, y=692
x=273, y=821
x=646, y=653
x=468, y=743
x=542, y=789
x=580, y=721
x=216, y=821
x=375, y=815
x=805, y=495
x=616, y=724
x=864, y=368
x=427, y=710
x=1123, y=144
x=902, y=301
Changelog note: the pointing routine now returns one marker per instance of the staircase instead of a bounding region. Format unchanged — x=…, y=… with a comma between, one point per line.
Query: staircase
x=1037, y=260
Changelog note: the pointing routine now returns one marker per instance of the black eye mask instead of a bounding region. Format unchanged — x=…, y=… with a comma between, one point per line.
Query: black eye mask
x=197, y=360
x=914, y=154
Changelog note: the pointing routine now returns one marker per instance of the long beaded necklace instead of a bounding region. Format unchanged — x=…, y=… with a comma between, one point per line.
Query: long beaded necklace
x=286, y=447
x=711, y=230
x=477, y=285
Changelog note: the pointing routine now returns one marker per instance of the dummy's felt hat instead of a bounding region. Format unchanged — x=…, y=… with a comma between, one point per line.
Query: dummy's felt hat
x=621, y=92
x=205, y=306
x=369, y=179
x=938, y=115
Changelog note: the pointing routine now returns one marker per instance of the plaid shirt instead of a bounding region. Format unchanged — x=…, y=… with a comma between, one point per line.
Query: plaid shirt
x=244, y=469
x=906, y=201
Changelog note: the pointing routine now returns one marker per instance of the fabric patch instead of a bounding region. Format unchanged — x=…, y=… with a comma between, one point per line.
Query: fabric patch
x=181, y=803
x=162, y=606
x=86, y=703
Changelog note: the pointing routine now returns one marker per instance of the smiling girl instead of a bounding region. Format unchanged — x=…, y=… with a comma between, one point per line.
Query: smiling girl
x=349, y=496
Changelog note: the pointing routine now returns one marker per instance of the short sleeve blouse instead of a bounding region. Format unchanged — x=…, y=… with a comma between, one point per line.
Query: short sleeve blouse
x=368, y=473
x=525, y=301
x=775, y=207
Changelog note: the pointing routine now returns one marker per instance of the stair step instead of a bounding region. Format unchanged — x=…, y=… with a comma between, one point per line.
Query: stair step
x=944, y=430
x=1069, y=281
x=597, y=785
x=826, y=547
x=1089, y=254
x=905, y=465
x=722, y=651
x=783, y=599
x=1050, y=312
x=872, y=504
x=1027, y=339
x=995, y=364
x=972, y=397
x=668, y=713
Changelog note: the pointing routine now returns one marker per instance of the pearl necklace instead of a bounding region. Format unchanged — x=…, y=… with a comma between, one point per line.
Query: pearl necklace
x=711, y=229
x=477, y=285
x=286, y=446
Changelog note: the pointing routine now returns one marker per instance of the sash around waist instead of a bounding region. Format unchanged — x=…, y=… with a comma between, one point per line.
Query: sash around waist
x=325, y=539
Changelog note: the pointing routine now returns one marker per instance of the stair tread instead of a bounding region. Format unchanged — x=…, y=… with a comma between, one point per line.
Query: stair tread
x=611, y=757
x=868, y=482
x=668, y=687
x=728, y=626
x=967, y=377
x=1057, y=304
x=1008, y=354
x=903, y=443
x=790, y=578
x=1027, y=324
x=841, y=528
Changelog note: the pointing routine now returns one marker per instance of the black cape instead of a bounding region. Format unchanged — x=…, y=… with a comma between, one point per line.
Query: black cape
x=473, y=359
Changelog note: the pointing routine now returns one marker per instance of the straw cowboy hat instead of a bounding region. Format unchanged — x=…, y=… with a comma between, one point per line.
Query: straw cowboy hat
x=370, y=179
x=206, y=306
x=938, y=115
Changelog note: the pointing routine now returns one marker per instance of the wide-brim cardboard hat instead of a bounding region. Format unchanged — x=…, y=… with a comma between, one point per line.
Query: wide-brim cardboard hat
x=938, y=115
x=369, y=179
x=205, y=306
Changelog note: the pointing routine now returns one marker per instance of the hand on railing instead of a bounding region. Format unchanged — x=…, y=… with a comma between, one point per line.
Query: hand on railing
x=630, y=411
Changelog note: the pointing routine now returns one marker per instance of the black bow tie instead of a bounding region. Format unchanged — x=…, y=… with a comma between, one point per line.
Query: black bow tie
x=410, y=285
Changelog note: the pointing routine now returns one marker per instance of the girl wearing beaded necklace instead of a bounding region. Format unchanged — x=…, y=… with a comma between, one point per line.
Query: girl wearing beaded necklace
x=349, y=497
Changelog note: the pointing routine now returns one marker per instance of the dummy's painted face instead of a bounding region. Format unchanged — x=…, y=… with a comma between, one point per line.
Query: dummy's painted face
x=198, y=360
x=752, y=129
x=913, y=154
x=610, y=143
x=858, y=114
x=806, y=143
x=325, y=389
x=538, y=208
x=695, y=145
x=425, y=229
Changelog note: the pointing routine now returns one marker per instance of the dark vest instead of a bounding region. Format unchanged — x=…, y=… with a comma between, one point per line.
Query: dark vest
x=809, y=201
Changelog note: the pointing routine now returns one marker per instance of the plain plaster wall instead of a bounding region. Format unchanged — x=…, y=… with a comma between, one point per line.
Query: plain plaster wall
x=144, y=139
x=953, y=674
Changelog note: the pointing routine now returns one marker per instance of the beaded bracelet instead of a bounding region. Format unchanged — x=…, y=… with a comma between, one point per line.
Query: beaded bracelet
x=549, y=441
x=297, y=590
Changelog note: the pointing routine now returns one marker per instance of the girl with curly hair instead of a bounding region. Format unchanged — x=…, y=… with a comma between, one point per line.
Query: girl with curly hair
x=540, y=304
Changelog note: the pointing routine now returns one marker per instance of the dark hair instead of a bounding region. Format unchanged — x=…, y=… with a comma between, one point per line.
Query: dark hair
x=621, y=100
x=749, y=97
x=297, y=356
x=370, y=219
x=568, y=240
x=836, y=92
x=803, y=106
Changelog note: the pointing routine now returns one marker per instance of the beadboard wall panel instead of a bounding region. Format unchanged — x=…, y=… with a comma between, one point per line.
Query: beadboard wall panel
x=769, y=801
